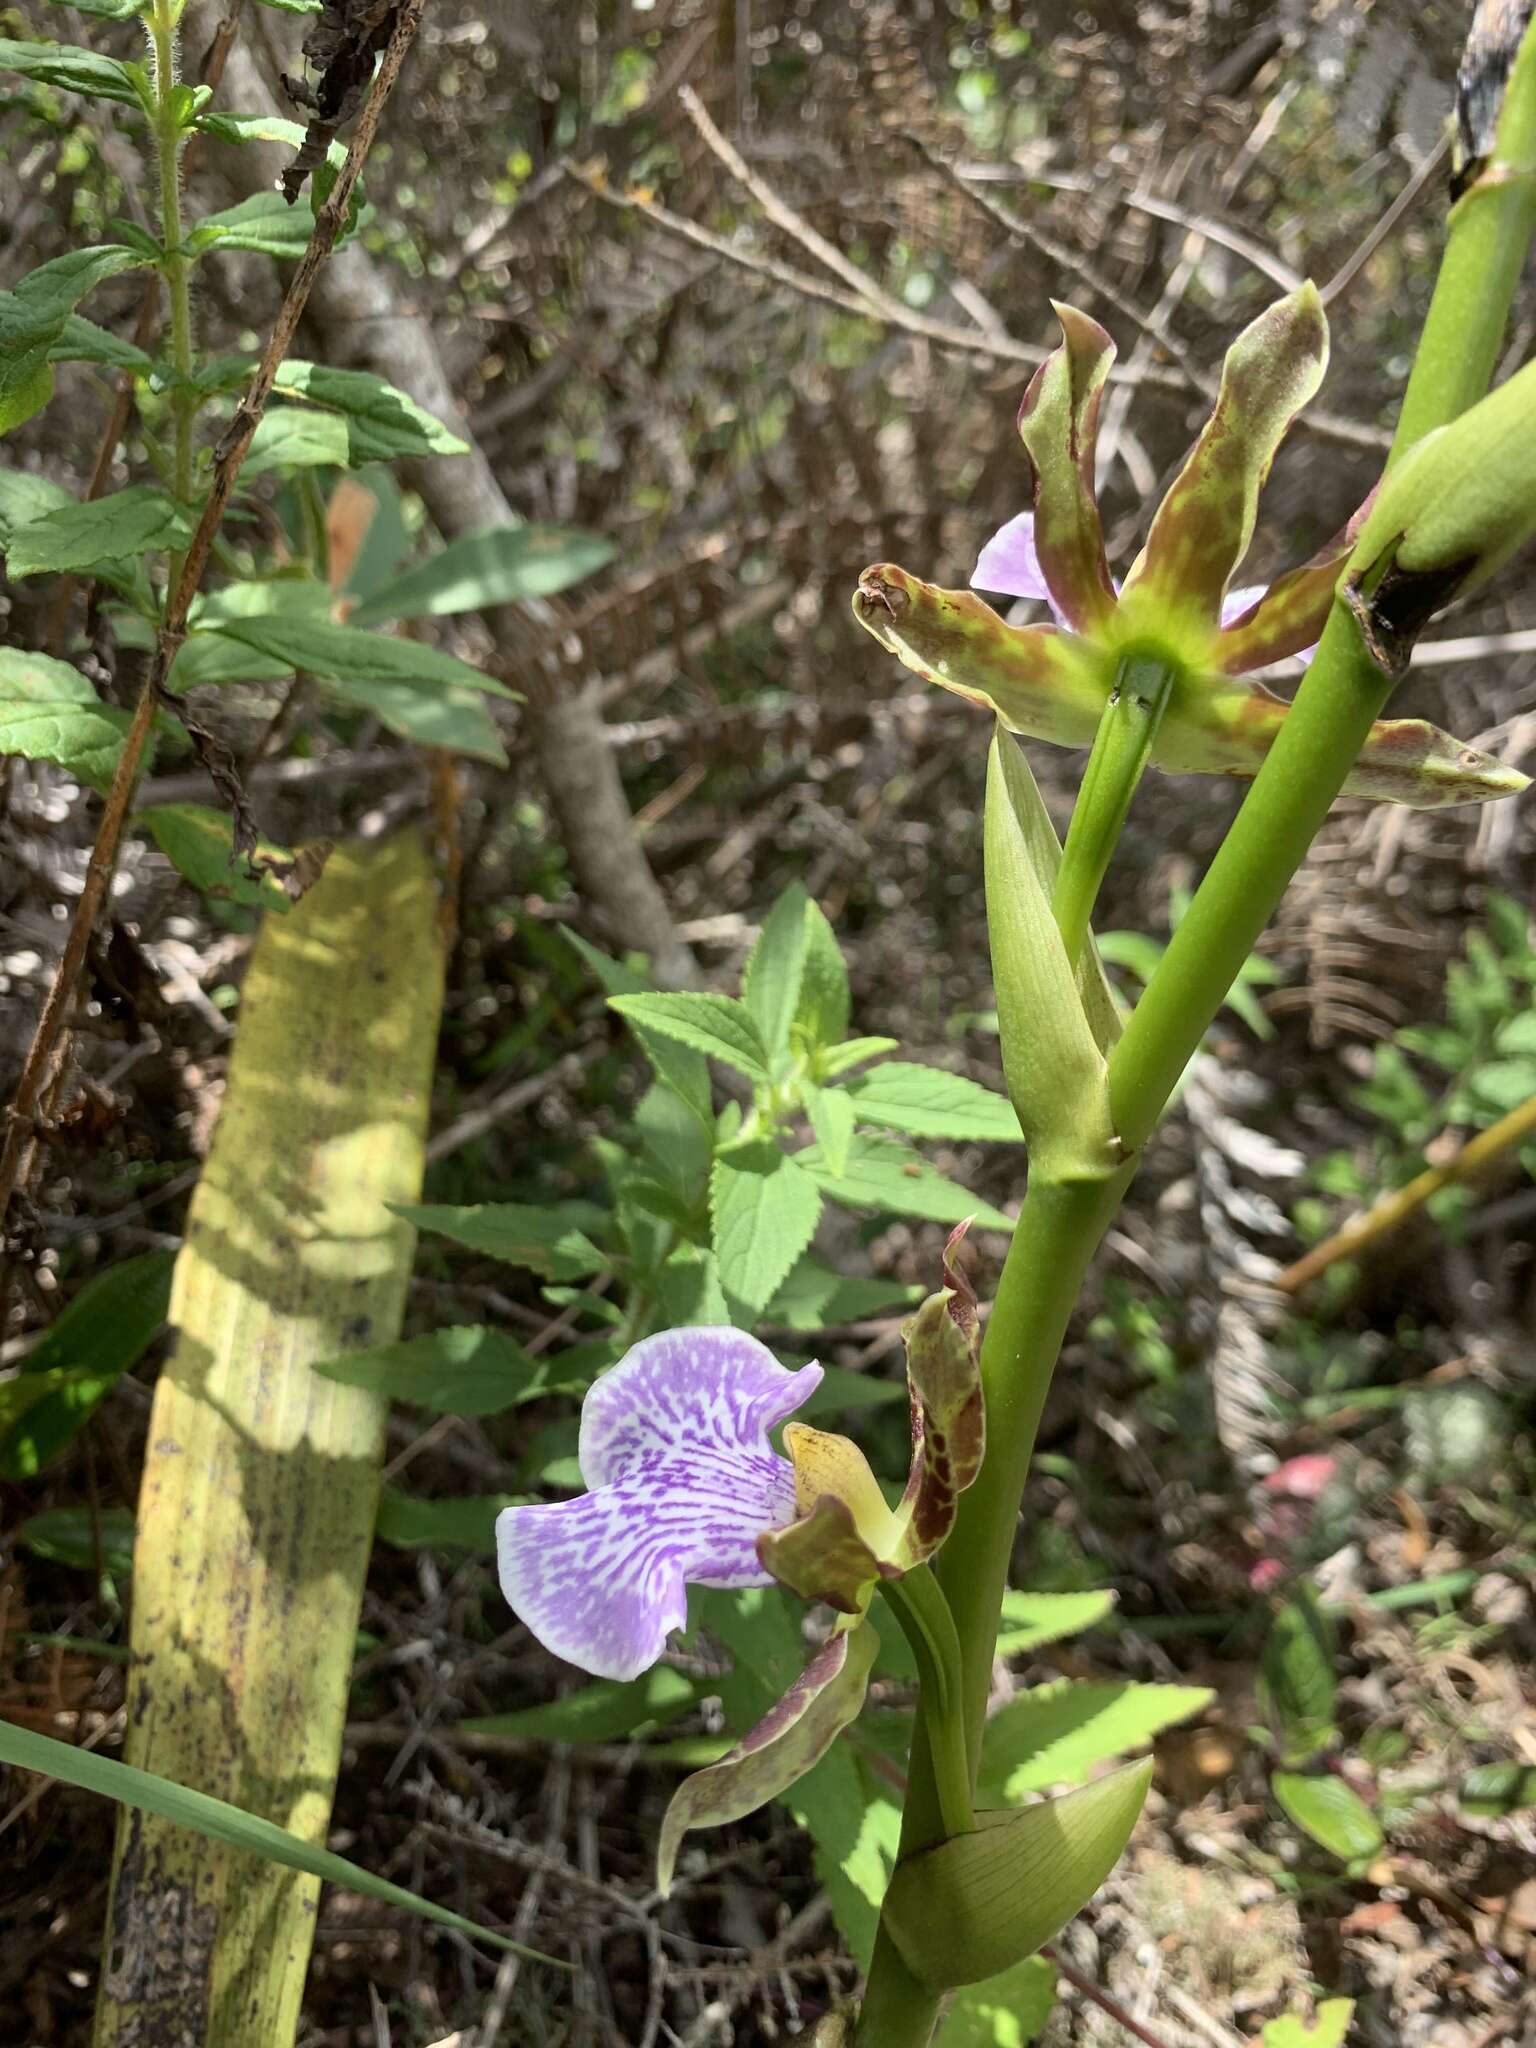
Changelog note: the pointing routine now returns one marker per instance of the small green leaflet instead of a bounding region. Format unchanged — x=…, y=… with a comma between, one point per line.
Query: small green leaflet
x=49, y=712
x=33, y=317
x=775, y=969
x=1031, y=1619
x=382, y=422
x=717, y=1025
x=225, y=1823
x=482, y=570
x=927, y=1102
x=1331, y=1812
x=75, y=1537
x=466, y=1522
x=882, y=1174
x=853, y=1052
x=765, y=1210
x=470, y=1369
x=1497, y=1789
x=103, y=1332
x=551, y=1240
x=71, y=69
x=265, y=224
x=240, y=128
x=109, y=529
x=1297, y=1673
x=814, y=1297
x=1056, y=1734
x=294, y=437
x=1004, y=2012
x=602, y=1712
x=82, y=341
x=200, y=844
x=832, y=1117
x=682, y=1069
x=824, y=1006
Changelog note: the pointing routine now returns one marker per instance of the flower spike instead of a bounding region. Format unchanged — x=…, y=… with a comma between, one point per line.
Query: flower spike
x=674, y=1446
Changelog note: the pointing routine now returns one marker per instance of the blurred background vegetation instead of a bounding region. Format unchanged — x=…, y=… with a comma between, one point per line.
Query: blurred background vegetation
x=747, y=292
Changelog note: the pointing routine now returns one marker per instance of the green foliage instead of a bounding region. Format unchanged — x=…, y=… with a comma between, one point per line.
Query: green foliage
x=200, y=845
x=1330, y=2029
x=1332, y=1813
x=80, y=1357
x=1138, y=954
x=225, y=1823
x=1057, y=1734
x=470, y=1370
x=1004, y=2012
x=1460, y=1074
x=601, y=1712
x=483, y=570
x=1297, y=1670
x=49, y=712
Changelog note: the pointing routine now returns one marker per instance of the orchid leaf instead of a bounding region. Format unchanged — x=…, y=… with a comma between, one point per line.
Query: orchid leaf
x=978, y=1904
x=791, y=1738
x=1059, y=426
x=1202, y=529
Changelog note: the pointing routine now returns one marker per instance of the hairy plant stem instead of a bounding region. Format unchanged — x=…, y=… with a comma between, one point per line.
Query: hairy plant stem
x=21, y=1135
x=1061, y=1226
x=169, y=136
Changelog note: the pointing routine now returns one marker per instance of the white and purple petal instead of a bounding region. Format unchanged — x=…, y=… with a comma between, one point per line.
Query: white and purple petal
x=674, y=1442
x=1009, y=564
x=686, y=1390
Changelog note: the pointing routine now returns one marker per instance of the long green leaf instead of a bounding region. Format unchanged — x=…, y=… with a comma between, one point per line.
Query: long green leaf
x=232, y=1825
x=483, y=570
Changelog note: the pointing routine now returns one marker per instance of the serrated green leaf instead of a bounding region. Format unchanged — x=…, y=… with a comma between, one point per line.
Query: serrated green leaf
x=383, y=422
x=1056, y=1734
x=716, y=1025
x=343, y=654
x=241, y=128
x=602, y=1712
x=49, y=712
x=110, y=529
x=1030, y=1619
x=482, y=570
x=927, y=1102
x=100, y=1335
x=853, y=1052
x=764, y=1209
x=1330, y=2029
x=231, y=1825
x=979, y=1903
x=842, y=1389
x=82, y=341
x=1331, y=1812
x=294, y=437
x=823, y=1006
x=832, y=1117
x=466, y=1522
x=688, y=1290
x=771, y=979
x=551, y=1240
x=265, y=224
x=469, y=1369
x=883, y=1174
x=1004, y=2012
x=70, y=69
x=814, y=1297
x=677, y=1066
x=32, y=320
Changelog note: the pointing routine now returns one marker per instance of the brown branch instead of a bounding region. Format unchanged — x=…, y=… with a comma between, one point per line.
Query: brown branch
x=230, y=452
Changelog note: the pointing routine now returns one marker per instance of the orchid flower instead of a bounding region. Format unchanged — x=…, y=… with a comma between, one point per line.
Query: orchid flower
x=1053, y=682
x=685, y=1488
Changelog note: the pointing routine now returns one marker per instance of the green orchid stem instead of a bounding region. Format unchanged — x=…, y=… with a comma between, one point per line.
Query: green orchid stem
x=918, y=1603
x=1122, y=748
x=1058, y=1232
x=1490, y=231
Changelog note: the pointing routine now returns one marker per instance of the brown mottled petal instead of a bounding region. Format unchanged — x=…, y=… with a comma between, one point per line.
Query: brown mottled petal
x=943, y=1341
x=1291, y=614
x=1059, y=426
x=1202, y=528
x=790, y=1740
x=1038, y=682
x=1229, y=727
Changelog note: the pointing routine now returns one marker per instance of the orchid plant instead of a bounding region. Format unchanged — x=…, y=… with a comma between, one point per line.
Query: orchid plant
x=1161, y=668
